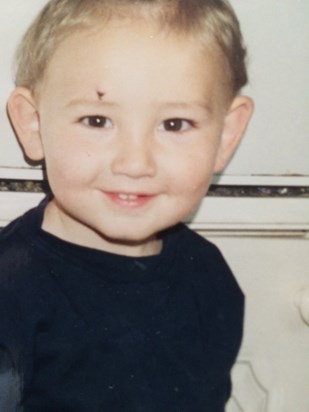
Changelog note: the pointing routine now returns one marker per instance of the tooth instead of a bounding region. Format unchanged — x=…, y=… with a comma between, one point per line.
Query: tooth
x=124, y=196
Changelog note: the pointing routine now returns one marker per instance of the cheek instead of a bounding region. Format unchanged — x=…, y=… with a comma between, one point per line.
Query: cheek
x=194, y=172
x=196, y=182
x=65, y=159
x=65, y=169
x=191, y=188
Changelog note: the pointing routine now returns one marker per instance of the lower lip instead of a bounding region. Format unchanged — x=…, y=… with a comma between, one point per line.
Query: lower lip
x=136, y=202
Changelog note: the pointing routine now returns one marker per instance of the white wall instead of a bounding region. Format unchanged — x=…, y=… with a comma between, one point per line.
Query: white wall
x=15, y=16
x=277, y=35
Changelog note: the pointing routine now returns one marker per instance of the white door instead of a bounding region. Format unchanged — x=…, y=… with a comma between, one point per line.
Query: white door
x=272, y=372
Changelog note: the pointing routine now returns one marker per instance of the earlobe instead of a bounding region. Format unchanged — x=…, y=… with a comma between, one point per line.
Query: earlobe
x=24, y=117
x=235, y=124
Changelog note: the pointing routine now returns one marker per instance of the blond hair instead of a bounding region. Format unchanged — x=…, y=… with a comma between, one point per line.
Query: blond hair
x=210, y=19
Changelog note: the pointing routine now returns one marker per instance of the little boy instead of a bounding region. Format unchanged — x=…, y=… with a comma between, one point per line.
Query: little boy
x=108, y=302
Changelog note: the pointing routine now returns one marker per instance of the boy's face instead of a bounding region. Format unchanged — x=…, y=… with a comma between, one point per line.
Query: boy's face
x=130, y=122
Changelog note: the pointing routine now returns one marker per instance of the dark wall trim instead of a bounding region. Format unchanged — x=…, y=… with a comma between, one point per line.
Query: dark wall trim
x=37, y=186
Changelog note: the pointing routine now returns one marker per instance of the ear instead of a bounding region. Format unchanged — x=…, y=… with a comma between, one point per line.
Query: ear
x=25, y=120
x=235, y=124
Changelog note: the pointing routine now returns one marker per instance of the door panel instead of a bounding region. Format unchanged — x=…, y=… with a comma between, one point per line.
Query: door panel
x=272, y=372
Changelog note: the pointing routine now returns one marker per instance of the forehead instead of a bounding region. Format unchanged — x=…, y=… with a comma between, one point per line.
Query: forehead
x=125, y=52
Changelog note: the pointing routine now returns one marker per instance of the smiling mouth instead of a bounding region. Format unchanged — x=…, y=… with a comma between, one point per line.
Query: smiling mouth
x=132, y=200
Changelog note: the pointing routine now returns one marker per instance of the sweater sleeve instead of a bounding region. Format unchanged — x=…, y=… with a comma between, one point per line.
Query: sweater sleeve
x=221, y=304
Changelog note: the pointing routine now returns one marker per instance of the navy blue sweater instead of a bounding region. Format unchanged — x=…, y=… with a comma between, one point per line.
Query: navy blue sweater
x=87, y=331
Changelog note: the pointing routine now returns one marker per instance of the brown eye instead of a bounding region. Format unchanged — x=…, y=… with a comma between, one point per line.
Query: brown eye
x=97, y=121
x=176, y=125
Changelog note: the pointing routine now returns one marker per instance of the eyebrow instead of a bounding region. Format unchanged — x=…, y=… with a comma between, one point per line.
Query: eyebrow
x=187, y=105
x=78, y=102
x=93, y=102
x=165, y=105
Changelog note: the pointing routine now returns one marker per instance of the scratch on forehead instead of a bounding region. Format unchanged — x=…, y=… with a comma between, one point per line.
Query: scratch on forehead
x=100, y=94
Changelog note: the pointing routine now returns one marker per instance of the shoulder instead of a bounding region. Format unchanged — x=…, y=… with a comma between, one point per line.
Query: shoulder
x=206, y=266
x=15, y=245
x=219, y=296
x=195, y=246
x=25, y=226
x=17, y=248
x=25, y=287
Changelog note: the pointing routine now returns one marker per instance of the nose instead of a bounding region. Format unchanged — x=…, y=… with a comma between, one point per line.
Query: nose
x=134, y=157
